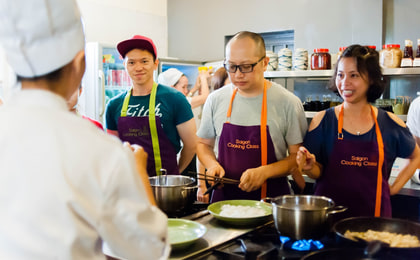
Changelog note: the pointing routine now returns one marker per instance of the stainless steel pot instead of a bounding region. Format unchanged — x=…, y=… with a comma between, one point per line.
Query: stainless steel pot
x=302, y=216
x=173, y=193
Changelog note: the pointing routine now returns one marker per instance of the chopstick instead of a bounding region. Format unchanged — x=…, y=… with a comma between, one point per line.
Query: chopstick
x=201, y=176
x=214, y=178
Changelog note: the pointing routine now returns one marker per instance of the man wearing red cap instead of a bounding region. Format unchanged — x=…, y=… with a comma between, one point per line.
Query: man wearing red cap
x=154, y=116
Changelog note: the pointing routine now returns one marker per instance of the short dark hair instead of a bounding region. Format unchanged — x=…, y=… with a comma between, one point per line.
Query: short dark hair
x=258, y=39
x=367, y=62
x=52, y=76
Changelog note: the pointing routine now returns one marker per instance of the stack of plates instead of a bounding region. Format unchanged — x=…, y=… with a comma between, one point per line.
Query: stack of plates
x=272, y=64
x=285, y=59
x=300, y=59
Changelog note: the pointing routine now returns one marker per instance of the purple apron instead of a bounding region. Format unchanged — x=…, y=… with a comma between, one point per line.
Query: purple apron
x=239, y=150
x=148, y=132
x=351, y=176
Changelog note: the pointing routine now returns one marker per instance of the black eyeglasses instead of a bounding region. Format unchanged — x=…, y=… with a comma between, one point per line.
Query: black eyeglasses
x=243, y=68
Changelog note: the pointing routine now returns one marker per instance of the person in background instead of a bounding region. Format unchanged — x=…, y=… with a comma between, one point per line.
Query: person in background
x=65, y=186
x=413, y=119
x=350, y=149
x=72, y=103
x=254, y=122
x=176, y=79
x=219, y=79
x=157, y=117
x=413, y=123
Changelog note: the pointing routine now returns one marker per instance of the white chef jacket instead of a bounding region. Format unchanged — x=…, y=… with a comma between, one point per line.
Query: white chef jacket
x=65, y=185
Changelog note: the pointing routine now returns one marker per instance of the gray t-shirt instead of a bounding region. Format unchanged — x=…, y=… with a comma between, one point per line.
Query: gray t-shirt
x=285, y=116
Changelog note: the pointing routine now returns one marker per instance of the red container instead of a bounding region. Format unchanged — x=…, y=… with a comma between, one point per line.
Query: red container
x=321, y=59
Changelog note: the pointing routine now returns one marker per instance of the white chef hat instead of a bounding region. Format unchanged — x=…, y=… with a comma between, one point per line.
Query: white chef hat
x=40, y=36
x=169, y=77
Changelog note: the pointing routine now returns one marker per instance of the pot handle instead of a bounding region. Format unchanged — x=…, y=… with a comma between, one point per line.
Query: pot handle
x=337, y=209
x=267, y=200
x=190, y=188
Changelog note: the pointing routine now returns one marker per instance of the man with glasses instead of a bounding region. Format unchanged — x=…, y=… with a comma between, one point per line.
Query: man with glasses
x=254, y=124
x=169, y=121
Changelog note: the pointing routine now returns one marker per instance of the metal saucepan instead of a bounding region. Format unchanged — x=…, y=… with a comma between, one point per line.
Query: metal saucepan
x=302, y=216
x=393, y=225
x=173, y=193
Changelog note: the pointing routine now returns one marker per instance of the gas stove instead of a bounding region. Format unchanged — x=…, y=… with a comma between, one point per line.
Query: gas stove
x=261, y=244
x=226, y=242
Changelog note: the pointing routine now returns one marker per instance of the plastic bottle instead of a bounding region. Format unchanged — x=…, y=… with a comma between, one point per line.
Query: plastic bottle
x=407, y=60
x=416, y=62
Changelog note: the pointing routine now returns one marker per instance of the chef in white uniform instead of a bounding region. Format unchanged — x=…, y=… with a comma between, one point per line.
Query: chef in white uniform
x=65, y=186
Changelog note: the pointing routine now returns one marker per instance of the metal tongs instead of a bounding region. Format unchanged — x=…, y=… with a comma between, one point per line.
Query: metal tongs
x=217, y=181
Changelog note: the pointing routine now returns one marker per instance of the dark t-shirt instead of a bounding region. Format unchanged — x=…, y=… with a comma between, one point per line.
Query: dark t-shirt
x=171, y=106
x=398, y=141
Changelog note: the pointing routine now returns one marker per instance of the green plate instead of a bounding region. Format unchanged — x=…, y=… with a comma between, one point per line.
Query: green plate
x=183, y=233
x=216, y=208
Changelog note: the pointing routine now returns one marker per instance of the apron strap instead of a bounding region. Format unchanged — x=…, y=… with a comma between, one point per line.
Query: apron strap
x=379, y=140
x=263, y=135
x=229, y=112
x=153, y=130
x=380, y=164
x=263, y=131
x=126, y=102
x=152, y=124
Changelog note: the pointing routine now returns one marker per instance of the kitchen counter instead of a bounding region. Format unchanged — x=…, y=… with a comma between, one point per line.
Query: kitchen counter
x=217, y=234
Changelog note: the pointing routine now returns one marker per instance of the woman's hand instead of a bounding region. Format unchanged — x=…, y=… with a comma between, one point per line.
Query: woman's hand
x=215, y=171
x=304, y=159
x=200, y=193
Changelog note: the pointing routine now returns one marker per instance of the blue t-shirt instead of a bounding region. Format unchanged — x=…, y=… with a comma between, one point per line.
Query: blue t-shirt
x=398, y=141
x=171, y=106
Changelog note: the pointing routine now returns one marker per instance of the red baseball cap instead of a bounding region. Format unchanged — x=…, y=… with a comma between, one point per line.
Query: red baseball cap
x=137, y=42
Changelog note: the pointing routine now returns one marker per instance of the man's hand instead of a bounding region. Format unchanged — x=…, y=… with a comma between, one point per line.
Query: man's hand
x=140, y=157
x=252, y=179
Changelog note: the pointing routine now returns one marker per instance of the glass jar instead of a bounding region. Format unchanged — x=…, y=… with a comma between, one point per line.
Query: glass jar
x=390, y=56
x=321, y=59
x=340, y=51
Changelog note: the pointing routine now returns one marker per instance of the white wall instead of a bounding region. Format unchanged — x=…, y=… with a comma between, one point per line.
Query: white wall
x=196, y=29
x=402, y=21
x=111, y=21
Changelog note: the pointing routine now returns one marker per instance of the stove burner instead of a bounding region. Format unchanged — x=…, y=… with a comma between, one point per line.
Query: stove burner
x=301, y=245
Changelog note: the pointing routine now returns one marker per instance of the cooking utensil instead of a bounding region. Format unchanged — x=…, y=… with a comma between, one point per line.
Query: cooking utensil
x=393, y=225
x=173, y=193
x=214, y=186
x=183, y=233
x=302, y=216
x=216, y=208
x=206, y=177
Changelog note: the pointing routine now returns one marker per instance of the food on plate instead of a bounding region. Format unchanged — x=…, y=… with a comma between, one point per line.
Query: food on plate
x=393, y=239
x=240, y=211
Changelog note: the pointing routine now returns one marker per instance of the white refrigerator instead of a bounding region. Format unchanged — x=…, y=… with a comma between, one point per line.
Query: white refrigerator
x=105, y=77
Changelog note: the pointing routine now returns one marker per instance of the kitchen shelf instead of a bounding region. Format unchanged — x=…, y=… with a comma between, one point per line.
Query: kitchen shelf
x=329, y=73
